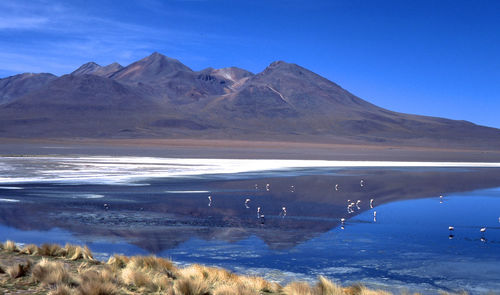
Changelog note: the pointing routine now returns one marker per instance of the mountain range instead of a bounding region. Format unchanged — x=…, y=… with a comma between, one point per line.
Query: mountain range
x=159, y=97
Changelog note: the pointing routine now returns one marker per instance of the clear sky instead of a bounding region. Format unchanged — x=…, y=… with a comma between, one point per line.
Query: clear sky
x=435, y=57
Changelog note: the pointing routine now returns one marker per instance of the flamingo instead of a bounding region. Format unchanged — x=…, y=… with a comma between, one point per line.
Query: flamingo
x=357, y=204
x=283, y=212
x=246, y=203
x=371, y=203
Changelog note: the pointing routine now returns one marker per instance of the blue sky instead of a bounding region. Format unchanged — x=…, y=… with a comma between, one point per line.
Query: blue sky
x=438, y=58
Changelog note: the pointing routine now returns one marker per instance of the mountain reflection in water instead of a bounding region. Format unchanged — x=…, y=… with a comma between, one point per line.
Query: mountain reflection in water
x=294, y=207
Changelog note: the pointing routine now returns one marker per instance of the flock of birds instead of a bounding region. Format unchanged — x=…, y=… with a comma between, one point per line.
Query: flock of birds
x=451, y=229
x=351, y=206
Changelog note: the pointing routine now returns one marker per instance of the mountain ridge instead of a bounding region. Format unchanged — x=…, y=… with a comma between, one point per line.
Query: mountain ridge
x=159, y=97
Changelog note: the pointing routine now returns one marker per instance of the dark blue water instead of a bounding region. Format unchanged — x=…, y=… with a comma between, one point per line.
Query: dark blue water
x=408, y=246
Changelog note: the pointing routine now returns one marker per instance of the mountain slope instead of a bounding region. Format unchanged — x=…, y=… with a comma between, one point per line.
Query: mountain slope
x=95, y=69
x=149, y=69
x=160, y=97
x=16, y=86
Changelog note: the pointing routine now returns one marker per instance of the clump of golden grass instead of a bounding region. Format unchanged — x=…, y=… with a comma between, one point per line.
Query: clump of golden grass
x=118, y=261
x=30, y=249
x=358, y=289
x=52, y=250
x=19, y=270
x=51, y=273
x=61, y=290
x=73, y=252
x=195, y=286
x=151, y=263
x=149, y=274
x=10, y=246
x=95, y=282
x=325, y=286
x=298, y=288
x=259, y=284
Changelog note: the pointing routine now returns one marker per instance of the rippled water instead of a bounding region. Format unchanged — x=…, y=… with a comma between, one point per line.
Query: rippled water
x=161, y=206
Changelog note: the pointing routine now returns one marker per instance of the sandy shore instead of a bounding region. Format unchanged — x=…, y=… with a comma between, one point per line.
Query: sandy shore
x=237, y=149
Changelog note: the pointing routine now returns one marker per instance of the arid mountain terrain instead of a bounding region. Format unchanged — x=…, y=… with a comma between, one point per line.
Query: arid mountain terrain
x=159, y=97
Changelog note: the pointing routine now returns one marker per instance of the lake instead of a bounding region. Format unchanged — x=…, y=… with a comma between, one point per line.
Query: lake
x=384, y=224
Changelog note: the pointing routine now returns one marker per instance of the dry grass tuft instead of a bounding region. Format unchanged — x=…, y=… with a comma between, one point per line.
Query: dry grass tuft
x=326, y=287
x=61, y=290
x=118, y=261
x=19, y=270
x=73, y=252
x=30, y=249
x=10, y=246
x=135, y=277
x=259, y=284
x=51, y=273
x=94, y=282
x=151, y=263
x=187, y=286
x=52, y=250
x=359, y=289
x=298, y=288
x=231, y=290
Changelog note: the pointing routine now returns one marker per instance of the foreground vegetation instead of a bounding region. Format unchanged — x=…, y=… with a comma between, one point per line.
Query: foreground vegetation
x=72, y=269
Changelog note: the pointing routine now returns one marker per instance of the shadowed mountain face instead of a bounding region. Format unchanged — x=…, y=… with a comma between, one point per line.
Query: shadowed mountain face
x=159, y=97
x=16, y=86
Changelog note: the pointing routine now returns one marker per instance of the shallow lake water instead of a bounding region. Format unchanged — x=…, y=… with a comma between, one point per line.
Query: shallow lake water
x=399, y=241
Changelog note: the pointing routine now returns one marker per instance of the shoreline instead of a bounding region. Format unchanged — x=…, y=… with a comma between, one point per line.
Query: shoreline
x=71, y=269
x=238, y=149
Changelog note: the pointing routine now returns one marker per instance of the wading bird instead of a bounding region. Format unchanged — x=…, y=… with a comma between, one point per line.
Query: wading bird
x=342, y=220
x=283, y=212
x=209, y=201
x=357, y=204
x=268, y=187
x=362, y=183
x=246, y=203
x=337, y=187
x=451, y=228
x=371, y=203
x=292, y=188
x=483, y=229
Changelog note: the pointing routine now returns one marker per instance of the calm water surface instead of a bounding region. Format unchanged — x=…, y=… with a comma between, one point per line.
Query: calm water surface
x=140, y=207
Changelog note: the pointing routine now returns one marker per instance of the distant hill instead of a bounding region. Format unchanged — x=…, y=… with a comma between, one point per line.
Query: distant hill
x=159, y=97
